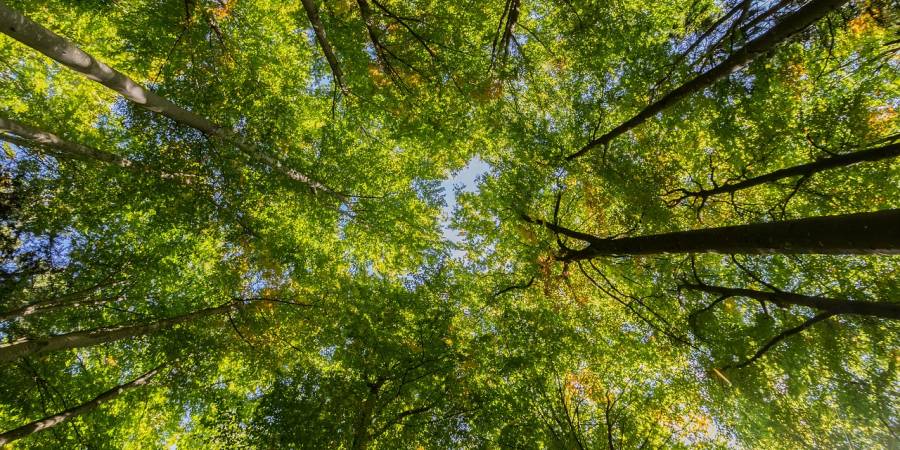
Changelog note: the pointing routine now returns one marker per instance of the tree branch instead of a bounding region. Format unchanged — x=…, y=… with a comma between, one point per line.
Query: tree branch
x=312, y=13
x=780, y=337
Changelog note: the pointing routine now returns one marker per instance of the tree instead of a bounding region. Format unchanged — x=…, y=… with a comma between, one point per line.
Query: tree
x=56, y=419
x=59, y=49
x=32, y=136
x=875, y=232
x=312, y=13
x=785, y=28
x=804, y=171
x=884, y=310
x=78, y=339
x=84, y=297
x=354, y=224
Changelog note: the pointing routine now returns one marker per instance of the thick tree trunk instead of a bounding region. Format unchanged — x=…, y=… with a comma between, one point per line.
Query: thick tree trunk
x=884, y=310
x=860, y=233
x=312, y=13
x=71, y=150
x=784, y=29
x=80, y=339
x=805, y=170
x=61, y=50
x=56, y=419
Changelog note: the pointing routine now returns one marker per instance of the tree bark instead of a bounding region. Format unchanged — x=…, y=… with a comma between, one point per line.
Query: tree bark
x=71, y=150
x=56, y=419
x=361, y=433
x=860, y=233
x=61, y=50
x=312, y=13
x=784, y=29
x=808, y=169
x=89, y=338
x=365, y=11
x=76, y=299
x=883, y=310
x=511, y=15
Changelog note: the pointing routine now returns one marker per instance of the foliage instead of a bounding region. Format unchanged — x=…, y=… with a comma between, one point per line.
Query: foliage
x=357, y=321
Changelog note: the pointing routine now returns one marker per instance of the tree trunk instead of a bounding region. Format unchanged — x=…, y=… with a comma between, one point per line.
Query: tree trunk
x=71, y=150
x=361, y=433
x=56, y=419
x=89, y=338
x=806, y=170
x=312, y=13
x=61, y=50
x=884, y=310
x=860, y=233
x=365, y=11
x=65, y=301
x=784, y=29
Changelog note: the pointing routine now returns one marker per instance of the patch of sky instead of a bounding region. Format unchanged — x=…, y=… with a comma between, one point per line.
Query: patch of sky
x=12, y=156
x=368, y=268
x=370, y=50
x=321, y=81
x=255, y=282
x=256, y=394
x=463, y=180
x=57, y=249
x=241, y=124
x=75, y=368
x=310, y=35
x=346, y=214
x=536, y=15
x=186, y=422
x=16, y=156
x=120, y=108
x=328, y=352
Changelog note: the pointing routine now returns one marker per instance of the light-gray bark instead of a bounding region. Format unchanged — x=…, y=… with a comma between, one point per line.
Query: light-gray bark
x=43, y=306
x=61, y=50
x=88, y=338
x=63, y=148
x=56, y=419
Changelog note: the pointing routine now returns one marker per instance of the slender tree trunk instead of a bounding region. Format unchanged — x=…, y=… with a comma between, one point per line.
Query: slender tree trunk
x=784, y=29
x=71, y=150
x=88, y=338
x=884, y=310
x=511, y=15
x=860, y=233
x=361, y=433
x=398, y=419
x=410, y=29
x=609, y=426
x=808, y=169
x=312, y=13
x=365, y=11
x=61, y=50
x=56, y=419
x=65, y=301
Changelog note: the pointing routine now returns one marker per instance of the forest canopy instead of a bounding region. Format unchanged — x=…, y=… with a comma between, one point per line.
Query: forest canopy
x=241, y=224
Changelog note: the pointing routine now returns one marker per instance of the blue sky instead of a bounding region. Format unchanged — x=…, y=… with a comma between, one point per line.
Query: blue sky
x=466, y=178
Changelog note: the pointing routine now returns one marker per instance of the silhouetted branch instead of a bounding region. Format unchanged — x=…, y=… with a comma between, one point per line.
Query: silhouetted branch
x=780, y=337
